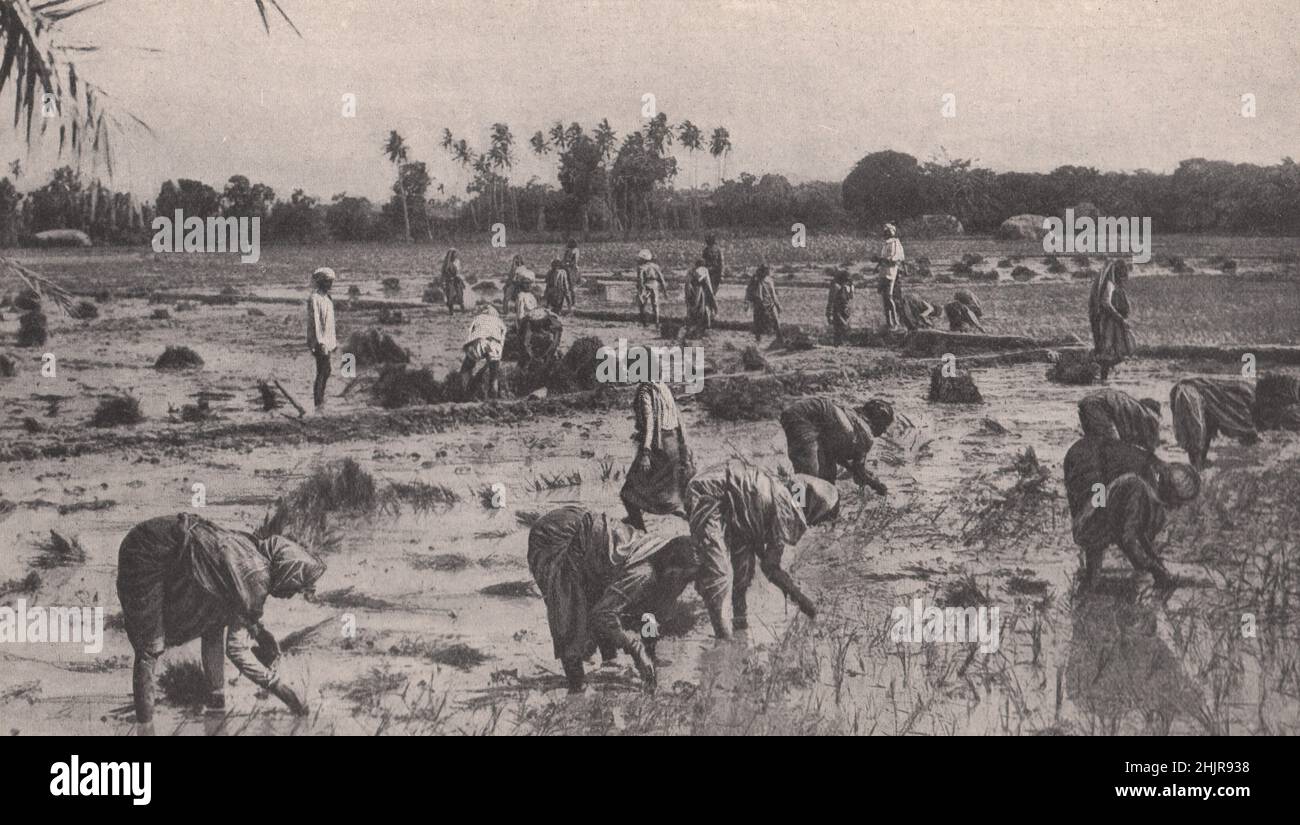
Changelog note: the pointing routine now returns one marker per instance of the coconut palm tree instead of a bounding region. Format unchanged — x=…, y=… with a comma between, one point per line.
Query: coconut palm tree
x=720, y=147
x=395, y=149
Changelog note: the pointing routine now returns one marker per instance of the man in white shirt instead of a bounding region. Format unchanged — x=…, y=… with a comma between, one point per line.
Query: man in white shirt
x=320, y=330
x=890, y=259
x=483, y=345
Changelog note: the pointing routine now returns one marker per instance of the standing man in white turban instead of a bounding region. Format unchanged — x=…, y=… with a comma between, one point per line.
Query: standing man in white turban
x=321, y=339
x=890, y=259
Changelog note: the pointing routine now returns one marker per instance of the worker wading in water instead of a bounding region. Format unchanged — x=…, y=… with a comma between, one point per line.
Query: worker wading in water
x=181, y=578
x=597, y=578
x=741, y=514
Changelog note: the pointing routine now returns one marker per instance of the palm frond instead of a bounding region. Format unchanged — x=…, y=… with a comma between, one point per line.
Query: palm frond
x=39, y=284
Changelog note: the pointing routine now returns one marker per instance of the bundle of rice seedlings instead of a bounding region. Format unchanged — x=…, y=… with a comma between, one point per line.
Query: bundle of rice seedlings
x=178, y=358
x=117, y=411
x=161, y=314
x=60, y=551
x=348, y=598
x=484, y=287
x=956, y=389
x=8, y=367
x=390, y=317
x=340, y=488
x=33, y=426
x=422, y=496
x=458, y=655
x=441, y=562
x=524, y=589
x=1054, y=265
x=1022, y=273
x=33, y=329
x=254, y=312
x=797, y=338
x=26, y=300
x=184, y=306
x=183, y=683
x=1005, y=263
x=375, y=347
x=84, y=311
x=1178, y=265
x=1224, y=264
x=400, y=386
x=557, y=481
x=962, y=268
x=27, y=584
x=985, y=275
x=752, y=360
x=1074, y=366
x=963, y=592
x=918, y=270
x=743, y=398
x=194, y=413
x=433, y=294
x=392, y=284
x=354, y=292
x=972, y=259
x=579, y=362
x=269, y=396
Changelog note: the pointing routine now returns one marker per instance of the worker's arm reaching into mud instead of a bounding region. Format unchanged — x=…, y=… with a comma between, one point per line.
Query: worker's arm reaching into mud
x=606, y=618
x=770, y=563
x=865, y=478
x=254, y=652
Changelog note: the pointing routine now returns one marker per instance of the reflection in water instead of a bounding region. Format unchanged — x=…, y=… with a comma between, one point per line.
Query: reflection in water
x=1119, y=665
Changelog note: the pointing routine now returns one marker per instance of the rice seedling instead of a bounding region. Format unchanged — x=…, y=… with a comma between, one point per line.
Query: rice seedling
x=341, y=488
x=421, y=496
x=557, y=481
x=388, y=316
x=27, y=584
x=347, y=598
x=1074, y=366
x=84, y=311
x=183, y=683
x=441, y=562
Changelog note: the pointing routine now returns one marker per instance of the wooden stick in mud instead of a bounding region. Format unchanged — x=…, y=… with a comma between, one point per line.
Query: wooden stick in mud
x=301, y=412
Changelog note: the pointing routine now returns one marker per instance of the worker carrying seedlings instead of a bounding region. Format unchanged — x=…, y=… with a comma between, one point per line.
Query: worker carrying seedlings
x=1119, y=495
x=1111, y=413
x=321, y=339
x=1202, y=407
x=483, y=345
x=181, y=578
x=656, y=481
x=596, y=574
x=964, y=312
x=738, y=513
x=821, y=436
x=650, y=286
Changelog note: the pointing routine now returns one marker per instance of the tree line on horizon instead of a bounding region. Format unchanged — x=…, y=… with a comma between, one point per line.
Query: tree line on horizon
x=630, y=190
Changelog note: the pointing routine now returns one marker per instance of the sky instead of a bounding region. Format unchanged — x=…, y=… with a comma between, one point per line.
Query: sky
x=805, y=88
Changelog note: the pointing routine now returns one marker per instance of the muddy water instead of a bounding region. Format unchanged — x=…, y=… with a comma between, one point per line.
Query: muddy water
x=879, y=556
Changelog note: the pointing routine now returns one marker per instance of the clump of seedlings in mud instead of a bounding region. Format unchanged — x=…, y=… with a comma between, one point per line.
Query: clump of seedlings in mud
x=33, y=328
x=1074, y=366
x=420, y=495
x=8, y=367
x=1028, y=507
x=60, y=551
x=958, y=388
x=117, y=411
x=557, y=481
x=178, y=358
x=340, y=488
x=375, y=347
x=183, y=683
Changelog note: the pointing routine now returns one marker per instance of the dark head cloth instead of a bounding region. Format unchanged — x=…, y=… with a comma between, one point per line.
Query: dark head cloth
x=293, y=568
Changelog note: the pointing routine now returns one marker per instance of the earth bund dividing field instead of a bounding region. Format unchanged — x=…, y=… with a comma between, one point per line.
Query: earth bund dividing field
x=427, y=621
